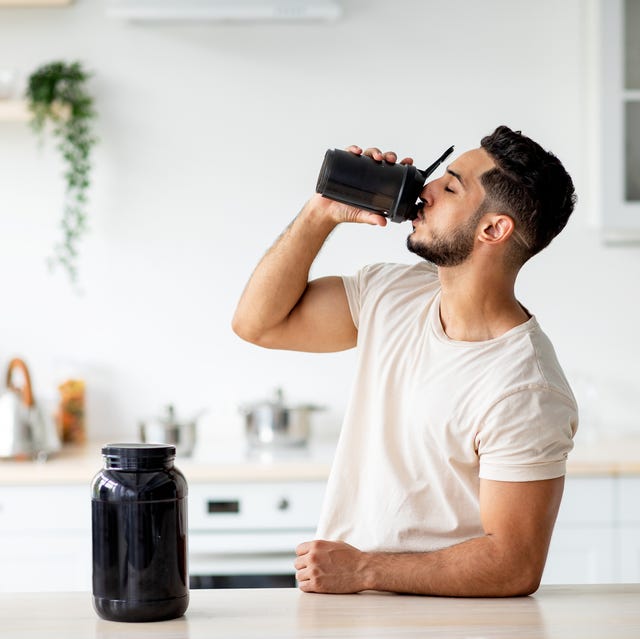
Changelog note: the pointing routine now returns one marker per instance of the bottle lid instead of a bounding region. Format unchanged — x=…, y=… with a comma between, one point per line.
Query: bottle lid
x=138, y=456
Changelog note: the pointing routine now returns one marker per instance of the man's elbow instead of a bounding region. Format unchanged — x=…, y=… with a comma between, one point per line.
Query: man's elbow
x=524, y=580
x=254, y=333
x=244, y=330
x=526, y=587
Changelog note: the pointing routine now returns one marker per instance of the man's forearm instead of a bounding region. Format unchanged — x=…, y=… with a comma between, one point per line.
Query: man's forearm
x=281, y=277
x=480, y=567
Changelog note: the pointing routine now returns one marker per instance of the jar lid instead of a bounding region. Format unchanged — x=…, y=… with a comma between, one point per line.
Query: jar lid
x=138, y=456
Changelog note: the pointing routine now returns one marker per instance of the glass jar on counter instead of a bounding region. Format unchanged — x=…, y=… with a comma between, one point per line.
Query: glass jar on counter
x=70, y=413
x=139, y=534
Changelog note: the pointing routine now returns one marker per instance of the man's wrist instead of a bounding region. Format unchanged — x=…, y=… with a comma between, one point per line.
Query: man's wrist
x=370, y=569
x=317, y=212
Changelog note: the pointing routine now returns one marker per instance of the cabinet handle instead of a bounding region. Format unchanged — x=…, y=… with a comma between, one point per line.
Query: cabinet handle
x=283, y=504
x=214, y=507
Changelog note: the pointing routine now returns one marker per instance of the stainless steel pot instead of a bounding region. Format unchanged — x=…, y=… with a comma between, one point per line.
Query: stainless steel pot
x=272, y=423
x=168, y=430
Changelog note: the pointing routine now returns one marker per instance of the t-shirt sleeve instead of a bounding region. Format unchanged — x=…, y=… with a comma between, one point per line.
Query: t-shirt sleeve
x=352, y=286
x=527, y=436
x=356, y=286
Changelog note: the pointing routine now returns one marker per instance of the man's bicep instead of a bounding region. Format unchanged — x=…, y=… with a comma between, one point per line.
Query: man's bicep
x=520, y=517
x=320, y=322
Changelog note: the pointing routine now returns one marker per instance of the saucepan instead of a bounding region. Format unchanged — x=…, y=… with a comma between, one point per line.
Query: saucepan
x=168, y=429
x=273, y=423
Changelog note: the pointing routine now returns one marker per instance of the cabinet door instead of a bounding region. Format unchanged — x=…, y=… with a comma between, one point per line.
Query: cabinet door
x=629, y=532
x=629, y=500
x=618, y=56
x=581, y=555
x=38, y=562
x=582, y=548
x=629, y=554
x=45, y=538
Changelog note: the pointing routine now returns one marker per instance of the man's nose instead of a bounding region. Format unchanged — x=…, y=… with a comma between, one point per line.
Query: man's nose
x=426, y=195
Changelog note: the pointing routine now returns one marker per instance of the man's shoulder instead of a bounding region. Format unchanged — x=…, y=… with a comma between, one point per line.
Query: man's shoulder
x=547, y=362
x=525, y=360
x=390, y=273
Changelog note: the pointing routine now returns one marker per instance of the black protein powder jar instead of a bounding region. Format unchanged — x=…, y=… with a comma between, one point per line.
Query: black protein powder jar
x=139, y=530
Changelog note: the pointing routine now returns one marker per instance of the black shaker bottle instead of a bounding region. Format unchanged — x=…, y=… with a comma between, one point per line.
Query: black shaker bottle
x=388, y=189
x=139, y=529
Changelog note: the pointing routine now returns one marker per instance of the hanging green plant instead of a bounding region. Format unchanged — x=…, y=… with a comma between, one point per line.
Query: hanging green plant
x=57, y=93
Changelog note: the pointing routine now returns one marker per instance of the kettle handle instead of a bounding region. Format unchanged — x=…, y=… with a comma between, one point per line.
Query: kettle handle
x=27, y=393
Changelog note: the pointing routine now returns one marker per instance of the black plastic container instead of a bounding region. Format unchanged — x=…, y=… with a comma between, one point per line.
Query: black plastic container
x=139, y=528
x=388, y=189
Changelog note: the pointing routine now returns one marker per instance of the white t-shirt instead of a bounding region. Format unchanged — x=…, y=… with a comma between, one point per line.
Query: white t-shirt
x=429, y=416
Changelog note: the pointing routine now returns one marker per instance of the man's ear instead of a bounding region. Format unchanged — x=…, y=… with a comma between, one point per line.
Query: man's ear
x=496, y=228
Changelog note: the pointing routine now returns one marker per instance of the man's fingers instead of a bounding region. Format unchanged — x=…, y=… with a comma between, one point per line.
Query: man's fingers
x=303, y=548
x=378, y=155
x=371, y=218
x=390, y=157
x=374, y=152
x=305, y=586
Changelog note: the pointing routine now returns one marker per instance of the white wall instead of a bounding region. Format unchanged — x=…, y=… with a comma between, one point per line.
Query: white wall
x=211, y=137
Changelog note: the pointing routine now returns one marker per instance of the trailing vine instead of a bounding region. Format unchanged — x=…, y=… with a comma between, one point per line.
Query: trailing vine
x=57, y=93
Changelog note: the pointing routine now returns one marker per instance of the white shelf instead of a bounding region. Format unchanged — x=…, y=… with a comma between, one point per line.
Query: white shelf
x=34, y=3
x=223, y=10
x=14, y=110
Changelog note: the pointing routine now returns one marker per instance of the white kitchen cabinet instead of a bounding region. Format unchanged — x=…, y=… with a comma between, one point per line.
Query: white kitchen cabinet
x=597, y=535
x=628, y=543
x=628, y=535
x=581, y=555
x=234, y=528
x=45, y=538
x=250, y=527
x=629, y=500
x=615, y=31
x=583, y=546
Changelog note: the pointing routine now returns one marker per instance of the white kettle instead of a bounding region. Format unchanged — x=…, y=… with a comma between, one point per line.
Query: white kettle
x=24, y=431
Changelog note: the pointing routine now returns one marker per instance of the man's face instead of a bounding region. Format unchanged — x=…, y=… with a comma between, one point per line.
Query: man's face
x=445, y=230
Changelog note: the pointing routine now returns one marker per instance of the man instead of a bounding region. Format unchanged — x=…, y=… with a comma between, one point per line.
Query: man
x=450, y=466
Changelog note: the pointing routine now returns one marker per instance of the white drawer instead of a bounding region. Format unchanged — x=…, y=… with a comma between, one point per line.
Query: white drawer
x=45, y=561
x=629, y=496
x=256, y=542
x=250, y=506
x=588, y=500
x=35, y=508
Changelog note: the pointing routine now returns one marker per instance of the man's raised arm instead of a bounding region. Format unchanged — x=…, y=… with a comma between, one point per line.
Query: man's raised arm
x=279, y=307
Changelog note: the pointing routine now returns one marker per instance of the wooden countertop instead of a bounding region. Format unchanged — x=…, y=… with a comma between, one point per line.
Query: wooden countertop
x=75, y=465
x=233, y=462
x=554, y=612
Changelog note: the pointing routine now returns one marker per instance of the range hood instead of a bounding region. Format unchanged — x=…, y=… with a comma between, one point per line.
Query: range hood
x=232, y=10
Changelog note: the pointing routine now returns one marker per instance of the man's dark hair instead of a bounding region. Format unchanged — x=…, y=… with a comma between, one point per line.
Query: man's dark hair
x=530, y=185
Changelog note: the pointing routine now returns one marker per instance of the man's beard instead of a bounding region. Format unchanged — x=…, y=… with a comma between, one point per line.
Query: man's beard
x=447, y=251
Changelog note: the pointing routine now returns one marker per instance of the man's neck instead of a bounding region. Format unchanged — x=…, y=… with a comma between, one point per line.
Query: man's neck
x=478, y=304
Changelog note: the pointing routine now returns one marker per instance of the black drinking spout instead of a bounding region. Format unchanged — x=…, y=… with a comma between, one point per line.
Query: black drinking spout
x=430, y=169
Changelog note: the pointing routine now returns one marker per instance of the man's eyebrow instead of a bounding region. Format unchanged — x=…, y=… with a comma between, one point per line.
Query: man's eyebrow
x=457, y=176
